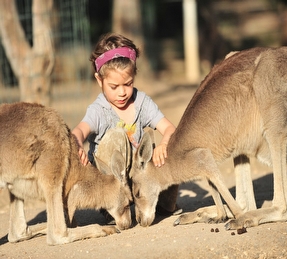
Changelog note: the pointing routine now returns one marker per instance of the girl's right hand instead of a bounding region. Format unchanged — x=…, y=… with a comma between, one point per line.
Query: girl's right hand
x=83, y=156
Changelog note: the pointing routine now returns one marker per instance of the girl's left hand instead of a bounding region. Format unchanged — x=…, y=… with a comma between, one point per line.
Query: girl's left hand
x=159, y=155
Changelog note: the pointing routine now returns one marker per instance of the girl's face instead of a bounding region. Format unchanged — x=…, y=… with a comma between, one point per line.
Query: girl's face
x=117, y=86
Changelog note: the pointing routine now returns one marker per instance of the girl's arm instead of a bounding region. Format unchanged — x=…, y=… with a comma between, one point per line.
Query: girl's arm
x=82, y=131
x=166, y=129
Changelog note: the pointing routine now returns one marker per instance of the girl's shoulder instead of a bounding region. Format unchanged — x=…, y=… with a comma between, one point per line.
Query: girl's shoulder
x=140, y=97
x=100, y=101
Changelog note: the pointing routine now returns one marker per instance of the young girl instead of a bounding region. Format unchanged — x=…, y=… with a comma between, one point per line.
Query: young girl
x=120, y=104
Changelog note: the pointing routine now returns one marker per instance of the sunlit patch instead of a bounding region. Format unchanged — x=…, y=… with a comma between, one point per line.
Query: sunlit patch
x=187, y=193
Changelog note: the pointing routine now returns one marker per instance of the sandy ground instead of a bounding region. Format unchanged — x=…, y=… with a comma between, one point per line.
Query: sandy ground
x=161, y=240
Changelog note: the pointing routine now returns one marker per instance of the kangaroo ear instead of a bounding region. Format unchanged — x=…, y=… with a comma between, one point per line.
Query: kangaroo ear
x=118, y=166
x=151, y=134
x=128, y=153
x=102, y=166
x=145, y=149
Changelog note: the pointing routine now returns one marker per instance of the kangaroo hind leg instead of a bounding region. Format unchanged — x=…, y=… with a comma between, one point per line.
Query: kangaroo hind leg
x=18, y=228
x=213, y=214
x=243, y=183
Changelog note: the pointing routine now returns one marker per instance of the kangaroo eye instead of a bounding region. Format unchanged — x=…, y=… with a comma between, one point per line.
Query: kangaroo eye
x=137, y=194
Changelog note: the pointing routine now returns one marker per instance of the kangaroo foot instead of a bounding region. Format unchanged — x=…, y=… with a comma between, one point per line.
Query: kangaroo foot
x=109, y=230
x=256, y=217
x=240, y=223
x=247, y=220
x=198, y=217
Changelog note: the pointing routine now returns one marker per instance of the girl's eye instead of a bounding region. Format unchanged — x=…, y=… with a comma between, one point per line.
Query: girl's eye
x=130, y=83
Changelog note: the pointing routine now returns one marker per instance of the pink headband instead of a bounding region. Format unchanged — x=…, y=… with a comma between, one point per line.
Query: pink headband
x=115, y=53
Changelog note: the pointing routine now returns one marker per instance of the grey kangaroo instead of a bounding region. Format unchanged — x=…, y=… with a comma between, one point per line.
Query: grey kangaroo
x=238, y=111
x=39, y=159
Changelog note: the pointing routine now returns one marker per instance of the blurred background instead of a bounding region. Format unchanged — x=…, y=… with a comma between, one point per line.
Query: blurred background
x=46, y=44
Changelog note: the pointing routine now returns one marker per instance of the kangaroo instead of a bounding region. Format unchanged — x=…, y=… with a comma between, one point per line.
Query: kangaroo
x=114, y=153
x=86, y=193
x=39, y=160
x=239, y=111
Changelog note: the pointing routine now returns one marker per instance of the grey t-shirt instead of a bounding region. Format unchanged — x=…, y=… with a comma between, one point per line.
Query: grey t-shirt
x=100, y=116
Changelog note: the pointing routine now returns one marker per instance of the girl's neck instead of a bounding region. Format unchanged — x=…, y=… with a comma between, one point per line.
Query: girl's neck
x=127, y=114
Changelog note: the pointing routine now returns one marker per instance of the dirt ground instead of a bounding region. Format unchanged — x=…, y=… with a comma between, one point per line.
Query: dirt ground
x=161, y=240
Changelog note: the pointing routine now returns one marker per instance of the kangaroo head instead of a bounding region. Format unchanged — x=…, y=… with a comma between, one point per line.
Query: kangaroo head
x=145, y=186
x=120, y=209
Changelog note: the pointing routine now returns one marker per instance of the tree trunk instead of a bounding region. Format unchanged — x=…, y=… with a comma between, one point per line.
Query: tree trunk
x=31, y=65
x=127, y=21
x=191, y=52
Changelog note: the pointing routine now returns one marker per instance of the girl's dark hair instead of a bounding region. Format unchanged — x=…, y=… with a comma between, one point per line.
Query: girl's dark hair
x=111, y=41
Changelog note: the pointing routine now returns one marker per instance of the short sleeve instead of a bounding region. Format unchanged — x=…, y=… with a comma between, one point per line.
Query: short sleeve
x=152, y=112
x=92, y=117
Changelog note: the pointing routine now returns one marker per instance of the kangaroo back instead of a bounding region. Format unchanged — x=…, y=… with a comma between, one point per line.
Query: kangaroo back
x=32, y=136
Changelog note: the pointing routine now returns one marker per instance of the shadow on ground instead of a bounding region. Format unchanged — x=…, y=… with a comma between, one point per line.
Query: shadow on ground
x=263, y=188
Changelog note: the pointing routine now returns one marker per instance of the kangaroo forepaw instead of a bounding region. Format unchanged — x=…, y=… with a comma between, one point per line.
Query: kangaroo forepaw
x=198, y=217
x=109, y=230
x=184, y=219
x=191, y=218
